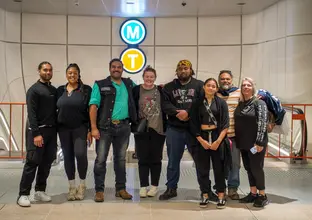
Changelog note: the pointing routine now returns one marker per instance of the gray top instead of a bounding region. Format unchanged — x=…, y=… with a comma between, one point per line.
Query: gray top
x=150, y=108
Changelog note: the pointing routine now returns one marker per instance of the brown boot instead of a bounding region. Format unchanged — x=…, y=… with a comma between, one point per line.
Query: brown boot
x=123, y=194
x=99, y=197
x=232, y=193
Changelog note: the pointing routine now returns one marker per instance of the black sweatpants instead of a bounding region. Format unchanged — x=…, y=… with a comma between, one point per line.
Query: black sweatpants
x=253, y=164
x=74, y=145
x=150, y=147
x=202, y=162
x=38, y=159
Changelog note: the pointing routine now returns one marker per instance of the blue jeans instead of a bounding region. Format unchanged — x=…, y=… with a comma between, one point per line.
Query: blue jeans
x=233, y=179
x=176, y=141
x=118, y=135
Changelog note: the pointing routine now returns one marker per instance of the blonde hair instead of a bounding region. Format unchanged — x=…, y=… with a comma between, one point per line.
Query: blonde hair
x=253, y=85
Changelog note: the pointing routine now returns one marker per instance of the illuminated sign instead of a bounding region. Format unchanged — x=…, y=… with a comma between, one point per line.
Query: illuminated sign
x=133, y=60
x=133, y=32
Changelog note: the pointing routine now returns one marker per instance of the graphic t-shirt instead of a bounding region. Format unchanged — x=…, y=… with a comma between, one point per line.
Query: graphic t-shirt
x=150, y=108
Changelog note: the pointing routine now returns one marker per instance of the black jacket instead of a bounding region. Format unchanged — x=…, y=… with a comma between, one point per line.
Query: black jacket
x=180, y=97
x=41, y=106
x=222, y=117
x=108, y=96
x=136, y=97
x=251, y=118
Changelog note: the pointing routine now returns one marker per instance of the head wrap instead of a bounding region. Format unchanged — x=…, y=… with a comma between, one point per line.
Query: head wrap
x=184, y=63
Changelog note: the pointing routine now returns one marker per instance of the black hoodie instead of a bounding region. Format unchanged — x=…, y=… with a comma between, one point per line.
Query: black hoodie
x=180, y=97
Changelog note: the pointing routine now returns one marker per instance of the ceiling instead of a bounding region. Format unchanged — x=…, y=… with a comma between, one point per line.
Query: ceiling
x=137, y=8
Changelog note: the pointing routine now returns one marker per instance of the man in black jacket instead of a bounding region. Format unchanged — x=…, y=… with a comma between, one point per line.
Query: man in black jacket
x=112, y=108
x=178, y=98
x=41, y=137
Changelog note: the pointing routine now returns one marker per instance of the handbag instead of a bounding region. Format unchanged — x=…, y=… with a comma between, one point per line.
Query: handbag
x=142, y=125
x=139, y=127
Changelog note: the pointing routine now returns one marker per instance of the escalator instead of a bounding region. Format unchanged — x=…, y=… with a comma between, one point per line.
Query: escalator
x=280, y=145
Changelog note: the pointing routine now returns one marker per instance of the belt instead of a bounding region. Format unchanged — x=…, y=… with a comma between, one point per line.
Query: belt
x=208, y=130
x=44, y=126
x=122, y=121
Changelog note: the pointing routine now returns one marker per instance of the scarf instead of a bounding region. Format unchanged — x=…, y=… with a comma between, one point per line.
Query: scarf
x=227, y=92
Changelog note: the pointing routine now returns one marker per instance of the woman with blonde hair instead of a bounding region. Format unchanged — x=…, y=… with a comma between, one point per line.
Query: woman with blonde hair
x=251, y=117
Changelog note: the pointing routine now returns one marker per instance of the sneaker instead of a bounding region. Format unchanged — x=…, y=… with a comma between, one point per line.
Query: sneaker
x=23, y=201
x=250, y=198
x=143, y=192
x=221, y=203
x=153, y=191
x=81, y=192
x=232, y=194
x=123, y=194
x=204, y=201
x=71, y=194
x=168, y=194
x=99, y=197
x=213, y=197
x=261, y=201
x=42, y=196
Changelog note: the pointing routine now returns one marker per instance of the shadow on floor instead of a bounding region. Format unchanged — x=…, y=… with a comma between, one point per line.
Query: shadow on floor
x=280, y=199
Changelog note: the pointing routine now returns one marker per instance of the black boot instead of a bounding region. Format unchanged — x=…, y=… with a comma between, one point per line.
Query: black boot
x=168, y=194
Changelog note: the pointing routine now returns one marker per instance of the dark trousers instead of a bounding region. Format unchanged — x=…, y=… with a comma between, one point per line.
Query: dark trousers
x=38, y=159
x=202, y=161
x=74, y=145
x=118, y=135
x=150, y=147
x=253, y=164
x=176, y=141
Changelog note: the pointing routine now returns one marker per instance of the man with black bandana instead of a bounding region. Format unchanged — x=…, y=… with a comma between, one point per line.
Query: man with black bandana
x=178, y=98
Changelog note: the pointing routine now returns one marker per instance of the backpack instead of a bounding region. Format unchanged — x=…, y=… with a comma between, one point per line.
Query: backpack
x=276, y=111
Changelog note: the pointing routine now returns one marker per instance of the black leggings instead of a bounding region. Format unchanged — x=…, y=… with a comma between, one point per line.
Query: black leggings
x=150, y=147
x=202, y=161
x=253, y=164
x=74, y=144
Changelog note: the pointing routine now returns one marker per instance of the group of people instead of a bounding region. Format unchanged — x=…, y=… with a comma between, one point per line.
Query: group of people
x=214, y=119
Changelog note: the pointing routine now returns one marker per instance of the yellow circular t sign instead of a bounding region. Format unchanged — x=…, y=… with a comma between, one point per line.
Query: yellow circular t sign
x=133, y=60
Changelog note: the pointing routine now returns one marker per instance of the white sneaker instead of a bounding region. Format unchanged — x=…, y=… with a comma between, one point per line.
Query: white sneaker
x=153, y=191
x=42, y=196
x=23, y=201
x=143, y=192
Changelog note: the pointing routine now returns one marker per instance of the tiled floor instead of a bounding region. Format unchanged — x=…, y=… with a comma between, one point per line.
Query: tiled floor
x=289, y=190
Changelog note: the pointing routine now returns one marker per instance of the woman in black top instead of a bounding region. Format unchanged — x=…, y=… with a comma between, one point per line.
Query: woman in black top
x=209, y=123
x=74, y=128
x=149, y=144
x=251, y=134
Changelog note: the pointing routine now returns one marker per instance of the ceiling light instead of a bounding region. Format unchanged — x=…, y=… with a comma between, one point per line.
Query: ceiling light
x=18, y=1
x=241, y=3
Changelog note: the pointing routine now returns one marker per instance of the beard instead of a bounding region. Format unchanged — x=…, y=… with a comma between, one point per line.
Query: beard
x=225, y=87
x=116, y=75
x=46, y=78
x=184, y=77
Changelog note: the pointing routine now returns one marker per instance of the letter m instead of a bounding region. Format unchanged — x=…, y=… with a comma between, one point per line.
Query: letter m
x=133, y=34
